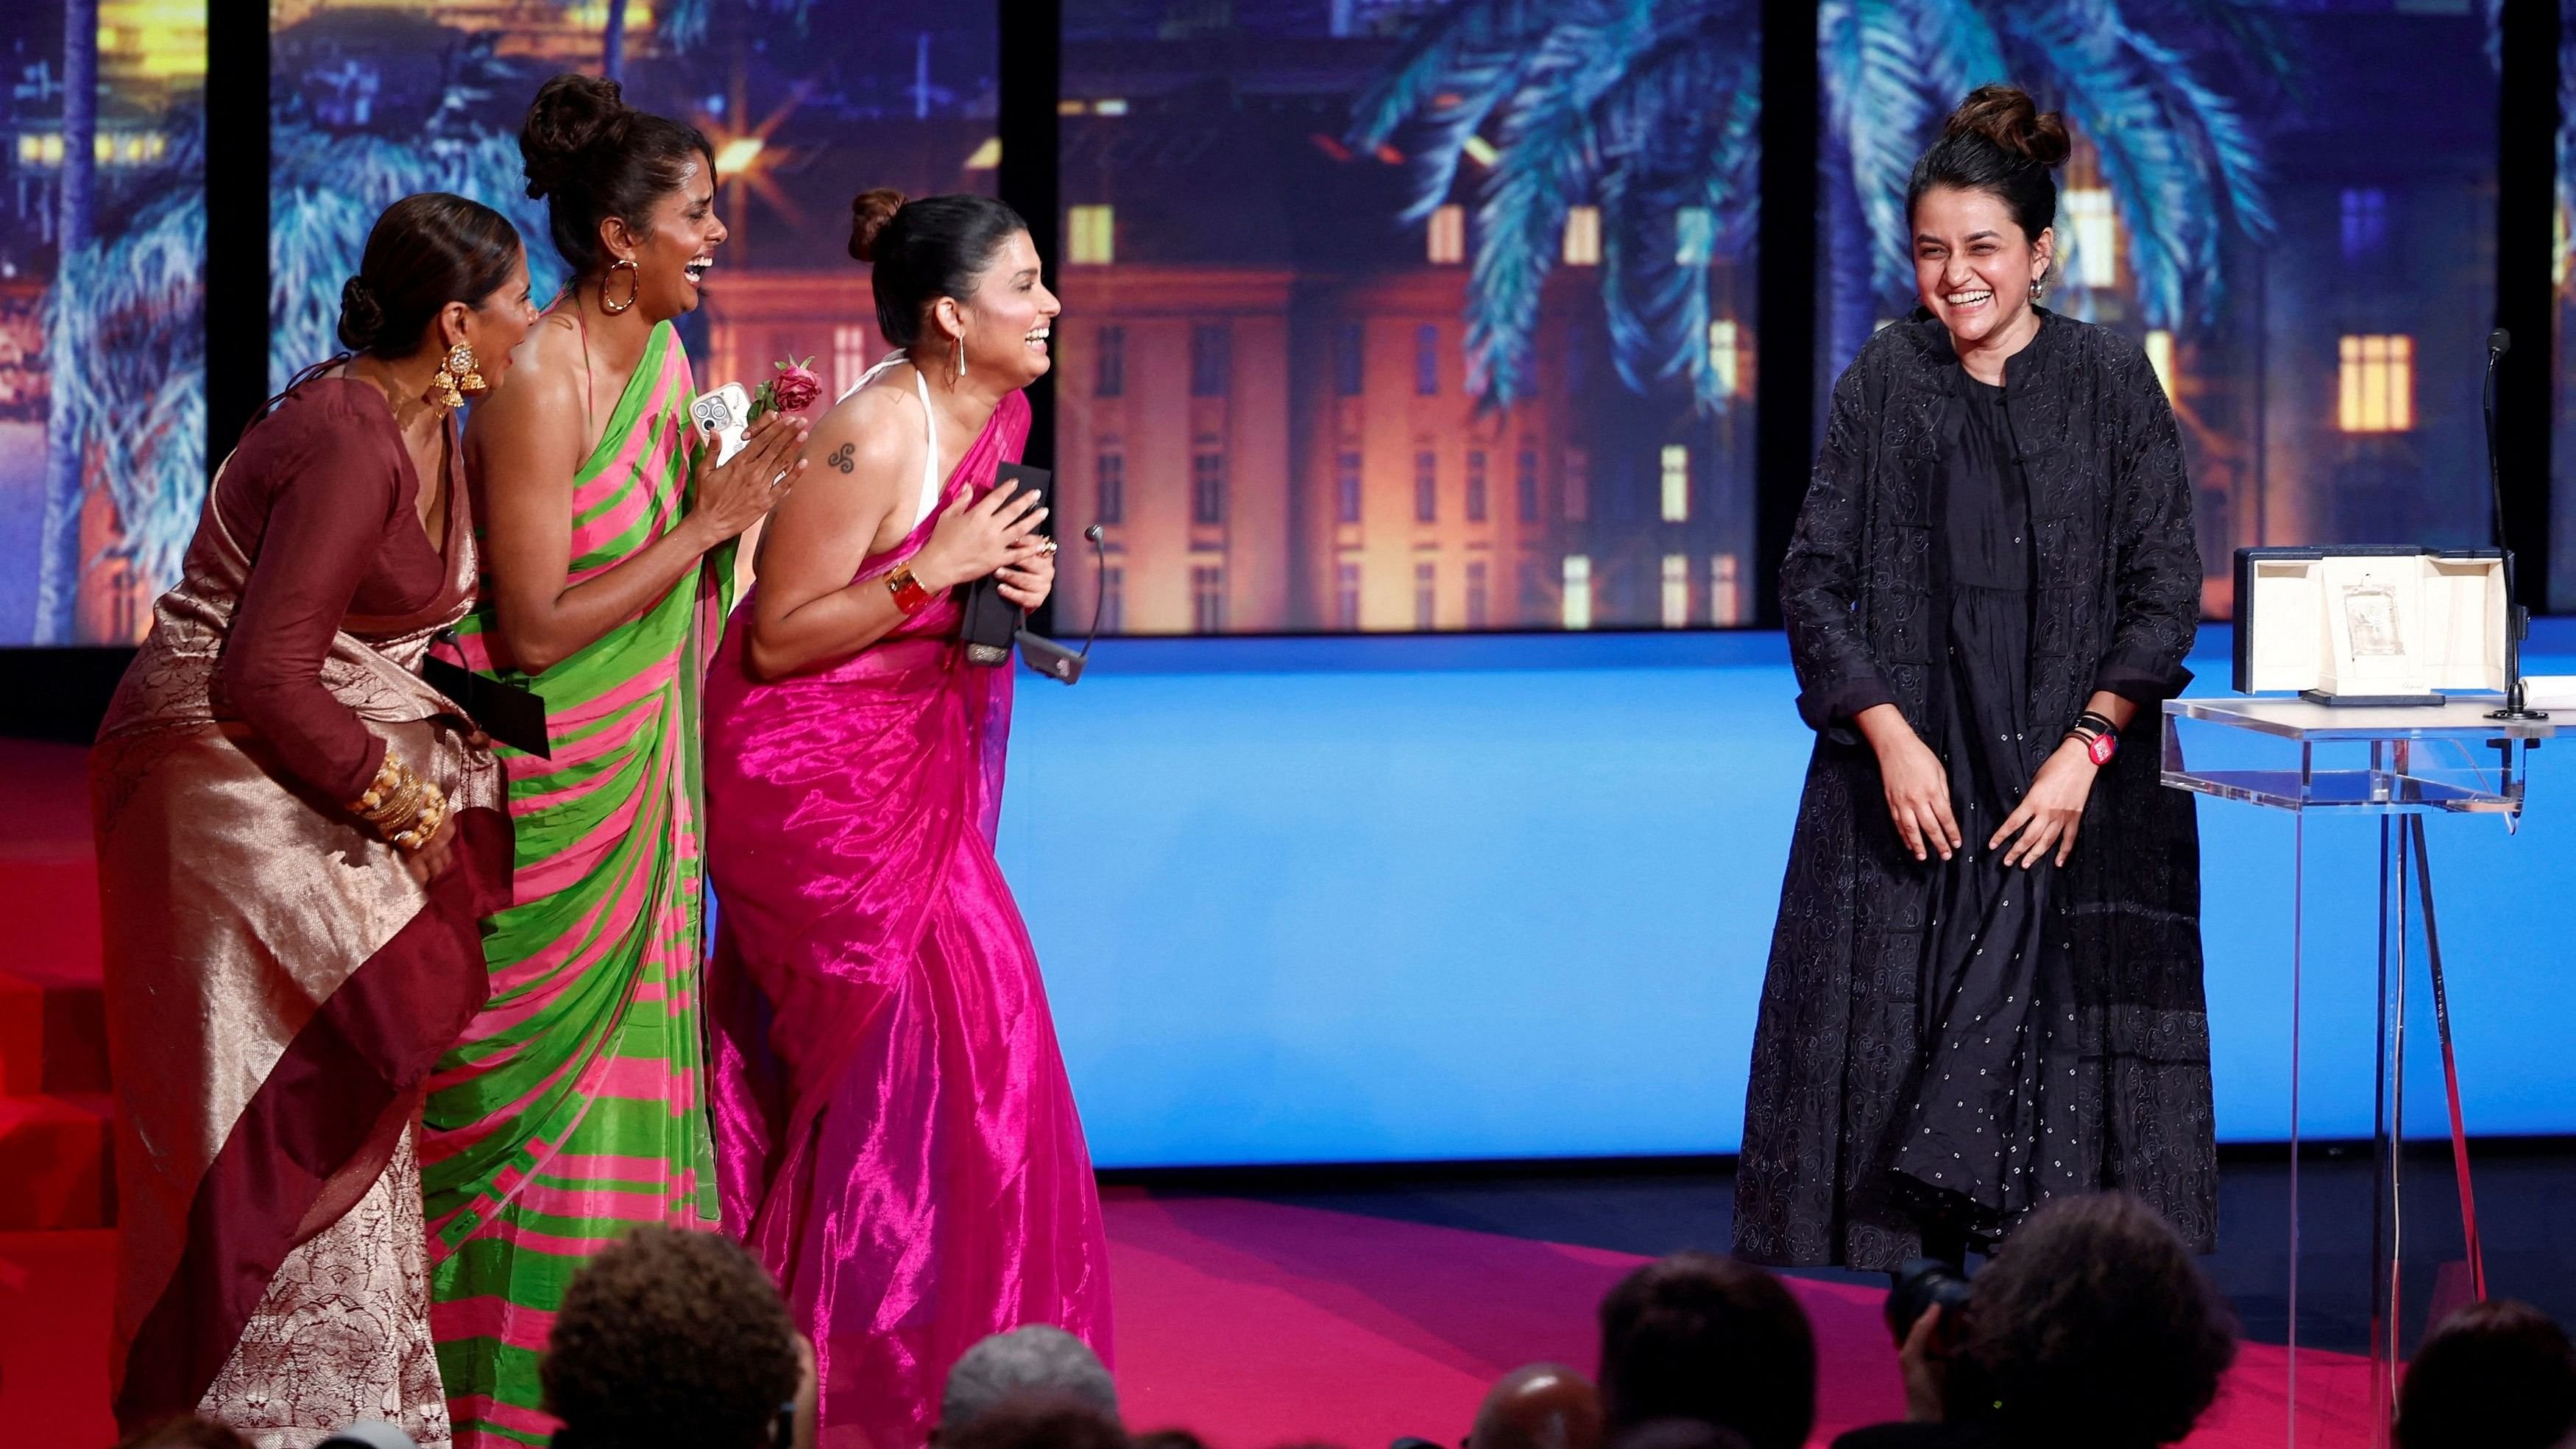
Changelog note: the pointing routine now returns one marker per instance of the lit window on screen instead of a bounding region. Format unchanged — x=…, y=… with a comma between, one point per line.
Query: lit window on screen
x=2376, y=383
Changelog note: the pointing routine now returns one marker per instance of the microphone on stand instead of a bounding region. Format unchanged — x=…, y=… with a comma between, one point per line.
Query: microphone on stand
x=1048, y=657
x=2517, y=619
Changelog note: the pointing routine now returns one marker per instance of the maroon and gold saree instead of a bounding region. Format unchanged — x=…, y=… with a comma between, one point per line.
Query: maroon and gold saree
x=278, y=986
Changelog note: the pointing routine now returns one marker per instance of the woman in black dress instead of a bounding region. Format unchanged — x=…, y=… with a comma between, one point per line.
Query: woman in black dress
x=1984, y=987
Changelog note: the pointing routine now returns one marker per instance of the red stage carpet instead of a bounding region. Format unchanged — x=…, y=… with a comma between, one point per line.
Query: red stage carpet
x=1255, y=1324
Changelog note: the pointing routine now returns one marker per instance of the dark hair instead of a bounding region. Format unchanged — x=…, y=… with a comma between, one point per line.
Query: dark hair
x=2494, y=1376
x=1696, y=1336
x=2093, y=1325
x=590, y=156
x=924, y=249
x=2000, y=143
x=1676, y=1434
x=188, y=1431
x=670, y=1338
x=425, y=252
x=1038, y=1421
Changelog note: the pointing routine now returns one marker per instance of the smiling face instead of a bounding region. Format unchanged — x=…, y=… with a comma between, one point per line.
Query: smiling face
x=1973, y=266
x=675, y=247
x=1006, y=321
x=495, y=326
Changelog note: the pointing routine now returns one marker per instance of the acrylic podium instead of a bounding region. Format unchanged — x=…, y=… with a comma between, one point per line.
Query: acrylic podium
x=2396, y=766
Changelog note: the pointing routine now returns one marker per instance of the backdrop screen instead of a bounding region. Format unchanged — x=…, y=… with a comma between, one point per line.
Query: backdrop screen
x=1405, y=316
x=1391, y=316
x=102, y=319
x=806, y=104
x=2290, y=207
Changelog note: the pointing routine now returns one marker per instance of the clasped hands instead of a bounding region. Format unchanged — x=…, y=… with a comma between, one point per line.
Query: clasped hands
x=995, y=534
x=1918, y=795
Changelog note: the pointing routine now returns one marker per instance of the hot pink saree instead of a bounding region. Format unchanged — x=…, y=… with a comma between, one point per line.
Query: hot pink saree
x=895, y=1137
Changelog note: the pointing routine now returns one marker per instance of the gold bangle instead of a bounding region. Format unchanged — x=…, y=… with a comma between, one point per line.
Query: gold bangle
x=405, y=809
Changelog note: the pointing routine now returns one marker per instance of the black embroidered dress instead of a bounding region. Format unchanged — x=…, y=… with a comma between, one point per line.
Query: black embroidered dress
x=1951, y=1043
x=1992, y=987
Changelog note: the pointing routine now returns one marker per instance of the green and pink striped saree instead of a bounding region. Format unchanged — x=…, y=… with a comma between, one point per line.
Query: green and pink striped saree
x=572, y=1109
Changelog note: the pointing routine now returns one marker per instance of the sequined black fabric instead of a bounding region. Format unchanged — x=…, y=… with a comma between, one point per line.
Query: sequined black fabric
x=2090, y=1033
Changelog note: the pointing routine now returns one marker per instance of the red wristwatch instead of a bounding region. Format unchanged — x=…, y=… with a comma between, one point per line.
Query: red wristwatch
x=2100, y=746
x=909, y=595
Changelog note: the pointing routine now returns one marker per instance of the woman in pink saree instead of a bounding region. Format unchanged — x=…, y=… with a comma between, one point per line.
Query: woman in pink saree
x=895, y=1137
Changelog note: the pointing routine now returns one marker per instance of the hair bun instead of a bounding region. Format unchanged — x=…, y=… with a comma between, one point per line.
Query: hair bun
x=870, y=213
x=2009, y=118
x=362, y=317
x=573, y=116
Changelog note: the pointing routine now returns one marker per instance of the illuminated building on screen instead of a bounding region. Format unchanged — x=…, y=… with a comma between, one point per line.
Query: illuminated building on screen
x=1263, y=394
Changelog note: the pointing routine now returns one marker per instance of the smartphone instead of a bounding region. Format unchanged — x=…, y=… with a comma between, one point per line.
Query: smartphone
x=721, y=417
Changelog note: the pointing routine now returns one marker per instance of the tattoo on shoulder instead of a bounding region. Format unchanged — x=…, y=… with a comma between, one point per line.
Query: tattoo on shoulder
x=844, y=458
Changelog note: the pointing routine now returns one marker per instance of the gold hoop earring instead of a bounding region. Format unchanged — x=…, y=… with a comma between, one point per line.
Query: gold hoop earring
x=957, y=358
x=634, y=286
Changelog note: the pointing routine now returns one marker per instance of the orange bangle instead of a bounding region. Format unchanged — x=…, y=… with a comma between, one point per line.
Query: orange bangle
x=909, y=595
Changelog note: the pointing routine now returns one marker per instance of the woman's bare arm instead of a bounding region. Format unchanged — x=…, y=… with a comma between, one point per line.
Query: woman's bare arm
x=864, y=468
x=524, y=444
x=807, y=611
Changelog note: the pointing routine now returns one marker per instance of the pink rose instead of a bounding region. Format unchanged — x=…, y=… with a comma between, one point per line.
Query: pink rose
x=796, y=387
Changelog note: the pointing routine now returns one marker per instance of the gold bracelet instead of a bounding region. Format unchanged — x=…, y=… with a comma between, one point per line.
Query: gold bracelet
x=405, y=809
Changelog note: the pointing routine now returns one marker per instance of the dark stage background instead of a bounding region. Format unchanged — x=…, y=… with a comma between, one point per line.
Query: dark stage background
x=1383, y=315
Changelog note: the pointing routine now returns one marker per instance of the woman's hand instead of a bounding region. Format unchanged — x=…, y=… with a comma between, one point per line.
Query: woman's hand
x=1925, y=1362
x=2053, y=810
x=1030, y=576
x=731, y=496
x=1918, y=788
x=974, y=538
x=432, y=860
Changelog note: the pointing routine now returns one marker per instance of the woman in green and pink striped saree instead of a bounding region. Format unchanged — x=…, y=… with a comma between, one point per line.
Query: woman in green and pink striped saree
x=572, y=1109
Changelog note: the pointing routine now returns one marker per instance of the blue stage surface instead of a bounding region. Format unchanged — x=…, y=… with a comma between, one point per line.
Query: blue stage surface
x=1422, y=897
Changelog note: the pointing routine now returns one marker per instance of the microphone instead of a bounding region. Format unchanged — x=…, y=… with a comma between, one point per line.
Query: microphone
x=1053, y=660
x=2517, y=619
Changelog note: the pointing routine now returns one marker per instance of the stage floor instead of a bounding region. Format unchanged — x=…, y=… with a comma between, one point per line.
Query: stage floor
x=1257, y=1309
x=1255, y=1323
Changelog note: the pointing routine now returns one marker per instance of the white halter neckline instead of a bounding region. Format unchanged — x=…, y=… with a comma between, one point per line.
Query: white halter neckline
x=930, y=427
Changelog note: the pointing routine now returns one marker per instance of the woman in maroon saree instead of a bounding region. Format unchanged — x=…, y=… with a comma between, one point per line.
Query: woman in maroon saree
x=296, y=836
x=895, y=1136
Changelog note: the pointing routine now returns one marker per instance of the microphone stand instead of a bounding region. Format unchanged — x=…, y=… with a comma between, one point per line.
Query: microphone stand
x=2517, y=619
x=1048, y=657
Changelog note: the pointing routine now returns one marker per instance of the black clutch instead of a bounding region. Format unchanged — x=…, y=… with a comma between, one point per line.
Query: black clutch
x=514, y=716
x=992, y=620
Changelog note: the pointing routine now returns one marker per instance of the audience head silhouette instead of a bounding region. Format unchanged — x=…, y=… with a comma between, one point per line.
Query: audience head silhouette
x=2093, y=1325
x=1540, y=1406
x=1696, y=1336
x=192, y=1431
x=2494, y=1376
x=670, y=1339
x=1677, y=1434
x=1037, y=1421
x=1030, y=1362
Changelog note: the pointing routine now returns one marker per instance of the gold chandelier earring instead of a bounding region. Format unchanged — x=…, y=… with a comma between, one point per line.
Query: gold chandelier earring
x=457, y=376
x=634, y=285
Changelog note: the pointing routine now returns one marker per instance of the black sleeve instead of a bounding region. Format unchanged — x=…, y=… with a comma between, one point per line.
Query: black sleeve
x=1838, y=677
x=2155, y=558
